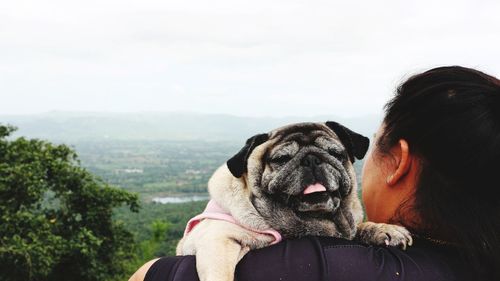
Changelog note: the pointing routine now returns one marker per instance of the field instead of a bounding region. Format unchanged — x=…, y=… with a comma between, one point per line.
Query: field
x=155, y=168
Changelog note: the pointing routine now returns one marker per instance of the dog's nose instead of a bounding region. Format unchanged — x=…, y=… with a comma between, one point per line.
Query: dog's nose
x=310, y=160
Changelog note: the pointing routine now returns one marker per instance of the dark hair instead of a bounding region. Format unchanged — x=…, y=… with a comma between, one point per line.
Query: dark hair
x=450, y=116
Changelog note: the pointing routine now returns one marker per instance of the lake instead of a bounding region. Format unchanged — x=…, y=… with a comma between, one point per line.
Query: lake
x=180, y=199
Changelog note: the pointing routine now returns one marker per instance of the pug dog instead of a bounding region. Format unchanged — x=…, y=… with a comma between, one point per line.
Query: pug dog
x=294, y=181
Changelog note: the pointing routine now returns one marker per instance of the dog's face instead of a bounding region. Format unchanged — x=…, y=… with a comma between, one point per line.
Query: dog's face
x=308, y=169
x=301, y=178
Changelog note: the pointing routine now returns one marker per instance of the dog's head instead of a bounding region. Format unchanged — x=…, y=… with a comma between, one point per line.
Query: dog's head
x=301, y=177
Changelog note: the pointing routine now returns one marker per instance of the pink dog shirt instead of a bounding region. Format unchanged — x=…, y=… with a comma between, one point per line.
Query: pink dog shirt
x=214, y=211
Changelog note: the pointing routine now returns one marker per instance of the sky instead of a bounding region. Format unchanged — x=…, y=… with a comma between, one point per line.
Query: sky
x=247, y=58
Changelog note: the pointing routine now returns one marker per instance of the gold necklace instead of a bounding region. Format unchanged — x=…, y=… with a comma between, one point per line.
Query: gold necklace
x=435, y=241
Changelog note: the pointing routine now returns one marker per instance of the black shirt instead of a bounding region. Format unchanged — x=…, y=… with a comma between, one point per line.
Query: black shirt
x=322, y=258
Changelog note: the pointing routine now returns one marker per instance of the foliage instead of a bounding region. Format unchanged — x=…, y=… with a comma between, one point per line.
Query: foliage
x=175, y=215
x=148, y=249
x=56, y=219
x=166, y=226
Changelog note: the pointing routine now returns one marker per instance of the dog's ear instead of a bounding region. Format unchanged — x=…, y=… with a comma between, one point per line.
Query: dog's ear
x=238, y=163
x=355, y=144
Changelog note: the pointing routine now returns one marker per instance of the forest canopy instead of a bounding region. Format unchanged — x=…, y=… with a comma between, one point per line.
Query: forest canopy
x=56, y=219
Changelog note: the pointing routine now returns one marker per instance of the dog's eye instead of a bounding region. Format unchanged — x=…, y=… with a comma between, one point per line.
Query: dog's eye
x=337, y=154
x=281, y=159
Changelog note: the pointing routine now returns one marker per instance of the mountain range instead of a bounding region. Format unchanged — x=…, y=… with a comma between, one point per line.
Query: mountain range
x=83, y=126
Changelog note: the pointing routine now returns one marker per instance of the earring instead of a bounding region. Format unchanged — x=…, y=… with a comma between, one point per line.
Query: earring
x=389, y=179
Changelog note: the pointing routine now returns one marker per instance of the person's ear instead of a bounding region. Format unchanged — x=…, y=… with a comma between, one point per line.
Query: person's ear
x=238, y=163
x=402, y=162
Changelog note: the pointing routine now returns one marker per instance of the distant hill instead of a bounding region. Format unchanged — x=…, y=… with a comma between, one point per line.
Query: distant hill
x=79, y=126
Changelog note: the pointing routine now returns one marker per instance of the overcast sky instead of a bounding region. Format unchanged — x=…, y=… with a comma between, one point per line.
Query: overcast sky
x=252, y=58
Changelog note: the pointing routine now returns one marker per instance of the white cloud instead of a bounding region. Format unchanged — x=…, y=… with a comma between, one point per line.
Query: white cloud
x=239, y=57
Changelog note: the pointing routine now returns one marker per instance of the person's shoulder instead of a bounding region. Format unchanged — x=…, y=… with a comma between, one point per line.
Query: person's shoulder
x=325, y=258
x=340, y=259
x=140, y=274
x=167, y=268
x=425, y=260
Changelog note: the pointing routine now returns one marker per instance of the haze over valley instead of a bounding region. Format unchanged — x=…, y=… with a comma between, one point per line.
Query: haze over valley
x=159, y=154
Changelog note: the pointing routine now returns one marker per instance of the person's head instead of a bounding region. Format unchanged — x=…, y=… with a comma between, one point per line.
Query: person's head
x=433, y=164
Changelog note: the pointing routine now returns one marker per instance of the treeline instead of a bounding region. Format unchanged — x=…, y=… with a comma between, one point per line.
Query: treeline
x=56, y=219
x=60, y=222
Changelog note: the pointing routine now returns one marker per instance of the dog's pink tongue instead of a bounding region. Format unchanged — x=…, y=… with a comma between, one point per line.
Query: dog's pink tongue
x=317, y=187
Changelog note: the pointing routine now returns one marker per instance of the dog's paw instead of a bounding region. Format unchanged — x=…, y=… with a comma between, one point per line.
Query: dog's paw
x=384, y=234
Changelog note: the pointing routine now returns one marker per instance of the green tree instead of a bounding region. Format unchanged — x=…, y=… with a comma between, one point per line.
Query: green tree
x=148, y=249
x=56, y=218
